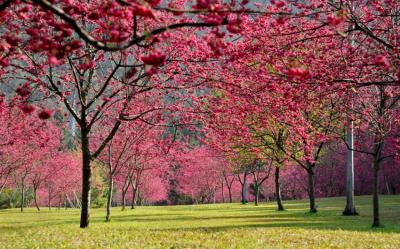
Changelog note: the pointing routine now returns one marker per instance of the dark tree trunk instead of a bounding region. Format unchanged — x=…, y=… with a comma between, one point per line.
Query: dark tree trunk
x=257, y=192
x=278, y=189
x=86, y=178
x=376, y=222
x=123, y=200
x=379, y=144
x=244, y=189
x=134, y=195
x=311, y=189
x=109, y=197
x=35, y=199
x=125, y=189
x=138, y=198
x=230, y=194
x=229, y=186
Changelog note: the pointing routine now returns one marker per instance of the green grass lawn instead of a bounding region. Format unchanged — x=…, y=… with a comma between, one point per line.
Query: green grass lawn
x=207, y=226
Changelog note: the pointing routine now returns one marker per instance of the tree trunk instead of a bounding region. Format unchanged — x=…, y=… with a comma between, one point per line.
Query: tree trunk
x=35, y=199
x=49, y=197
x=134, y=195
x=387, y=187
x=376, y=222
x=230, y=194
x=229, y=186
x=59, y=203
x=78, y=203
x=22, y=198
x=278, y=189
x=222, y=192
x=86, y=178
x=125, y=189
x=138, y=199
x=123, y=200
x=109, y=197
x=244, y=189
x=71, y=122
x=350, y=208
x=4, y=185
x=257, y=190
x=311, y=190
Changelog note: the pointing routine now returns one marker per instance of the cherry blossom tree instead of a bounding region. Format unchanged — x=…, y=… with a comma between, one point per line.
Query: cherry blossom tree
x=133, y=151
x=198, y=175
x=102, y=80
x=32, y=144
x=279, y=80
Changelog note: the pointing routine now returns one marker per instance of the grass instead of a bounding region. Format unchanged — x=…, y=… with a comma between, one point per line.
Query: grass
x=207, y=226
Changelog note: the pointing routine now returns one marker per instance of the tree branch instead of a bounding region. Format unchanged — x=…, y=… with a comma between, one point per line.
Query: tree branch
x=120, y=46
x=107, y=140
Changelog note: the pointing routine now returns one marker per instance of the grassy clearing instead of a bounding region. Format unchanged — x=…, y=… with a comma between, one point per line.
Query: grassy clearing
x=207, y=226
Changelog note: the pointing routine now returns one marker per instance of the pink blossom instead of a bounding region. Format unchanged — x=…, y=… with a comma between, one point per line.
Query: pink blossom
x=155, y=58
x=28, y=109
x=381, y=60
x=45, y=114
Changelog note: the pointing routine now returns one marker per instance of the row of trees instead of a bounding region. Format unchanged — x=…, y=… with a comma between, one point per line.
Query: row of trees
x=31, y=159
x=139, y=165
x=297, y=91
x=267, y=84
x=287, y=181
x=38, y=167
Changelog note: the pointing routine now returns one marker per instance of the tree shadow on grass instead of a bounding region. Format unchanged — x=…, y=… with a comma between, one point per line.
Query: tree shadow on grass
x=249, y=222
x=221, y=218
x=283, y=223
x=326, y=220
x=187, y=218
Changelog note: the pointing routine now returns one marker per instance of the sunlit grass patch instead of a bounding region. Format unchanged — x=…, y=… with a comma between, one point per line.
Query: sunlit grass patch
x=207, y=226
